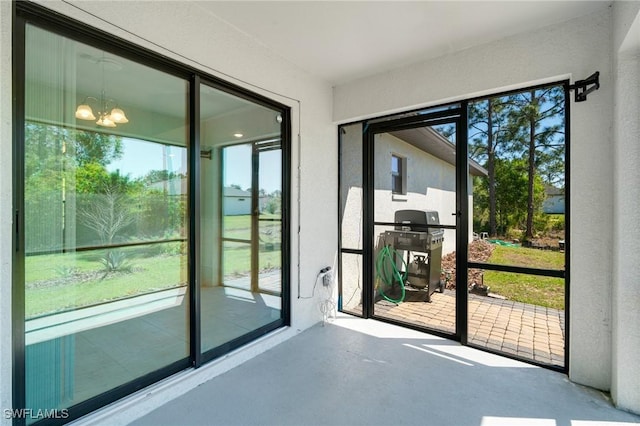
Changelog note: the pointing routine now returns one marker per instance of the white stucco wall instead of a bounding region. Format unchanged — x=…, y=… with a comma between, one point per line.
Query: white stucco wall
x=625, y=386
x=431, y=185
x=6, y=216
x=188, y=33
x=572, y=49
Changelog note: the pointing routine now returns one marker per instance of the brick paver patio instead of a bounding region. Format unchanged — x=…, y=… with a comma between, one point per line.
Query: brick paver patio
x=528, y=331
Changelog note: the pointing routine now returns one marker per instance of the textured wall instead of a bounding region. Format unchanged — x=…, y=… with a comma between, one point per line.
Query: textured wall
x=572, y=49
x=6, y=217
x=625, y=387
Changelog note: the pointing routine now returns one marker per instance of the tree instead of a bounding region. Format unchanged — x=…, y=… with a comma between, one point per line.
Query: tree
x=107, y=213
x=538, y=130
x=511, y=195
x=94, y=178
x=53, y=155
x=489, y=130
x=274, y=203
x=154, y=176
x=94, y=147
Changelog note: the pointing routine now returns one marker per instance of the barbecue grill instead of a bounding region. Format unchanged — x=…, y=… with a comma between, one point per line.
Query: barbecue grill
x=421, y=245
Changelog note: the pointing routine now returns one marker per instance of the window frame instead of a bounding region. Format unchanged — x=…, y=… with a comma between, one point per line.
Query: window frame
x=399, y=177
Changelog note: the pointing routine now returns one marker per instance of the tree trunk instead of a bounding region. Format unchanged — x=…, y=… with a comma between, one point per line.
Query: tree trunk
x=532, y=166
x=491, y=171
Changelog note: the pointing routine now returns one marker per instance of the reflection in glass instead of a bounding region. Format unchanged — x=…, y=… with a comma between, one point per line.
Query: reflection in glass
x=241, y=218
x=270, y=216
x=105, y=233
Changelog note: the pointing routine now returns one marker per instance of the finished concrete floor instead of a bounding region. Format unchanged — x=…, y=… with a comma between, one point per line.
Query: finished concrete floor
x=363, y=372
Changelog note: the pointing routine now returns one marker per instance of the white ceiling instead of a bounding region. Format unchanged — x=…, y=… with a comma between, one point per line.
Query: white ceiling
x=339, y=41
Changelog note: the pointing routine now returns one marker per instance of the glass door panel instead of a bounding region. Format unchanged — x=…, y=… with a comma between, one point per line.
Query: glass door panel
x=241, y=219
x=414, y=227
x=106, y=249
x=237, y=190
x=269, y=161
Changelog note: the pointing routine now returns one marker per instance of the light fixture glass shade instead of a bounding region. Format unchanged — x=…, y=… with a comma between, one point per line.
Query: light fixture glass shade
x=117, y=116
x=105, y=122
x=84, y=112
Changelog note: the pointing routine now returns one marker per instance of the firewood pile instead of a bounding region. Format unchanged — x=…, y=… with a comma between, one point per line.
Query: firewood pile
x=479, y=251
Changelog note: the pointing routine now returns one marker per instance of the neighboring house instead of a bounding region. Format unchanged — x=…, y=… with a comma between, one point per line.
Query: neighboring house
x=236, y=201
x=415, y=169
x=554, y=200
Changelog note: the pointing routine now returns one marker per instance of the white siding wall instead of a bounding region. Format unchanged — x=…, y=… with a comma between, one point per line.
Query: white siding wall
x=234, y=206
x=431, y=185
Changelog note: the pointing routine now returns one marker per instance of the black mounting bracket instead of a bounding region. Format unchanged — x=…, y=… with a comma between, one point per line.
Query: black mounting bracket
x=580, y=86
x=207, y=154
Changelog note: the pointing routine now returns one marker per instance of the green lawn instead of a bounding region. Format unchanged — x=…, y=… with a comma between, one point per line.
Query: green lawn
x=59, y=282
x=85, y=283
x=531, y=289
x=529, y=257
x=239, y=227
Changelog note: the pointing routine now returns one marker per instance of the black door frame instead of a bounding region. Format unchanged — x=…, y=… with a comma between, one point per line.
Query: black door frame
x=457, y=116
x=448, y=113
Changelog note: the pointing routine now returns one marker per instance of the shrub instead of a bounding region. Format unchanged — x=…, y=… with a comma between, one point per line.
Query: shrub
x=116, y=260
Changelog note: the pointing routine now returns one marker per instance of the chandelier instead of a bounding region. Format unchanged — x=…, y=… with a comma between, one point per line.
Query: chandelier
x=108, y=112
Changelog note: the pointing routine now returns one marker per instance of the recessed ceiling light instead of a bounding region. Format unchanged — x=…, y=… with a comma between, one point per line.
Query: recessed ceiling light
x=238, y=135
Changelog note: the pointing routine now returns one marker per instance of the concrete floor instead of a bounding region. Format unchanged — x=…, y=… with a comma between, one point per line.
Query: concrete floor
x=363, y=372
x=108, y=351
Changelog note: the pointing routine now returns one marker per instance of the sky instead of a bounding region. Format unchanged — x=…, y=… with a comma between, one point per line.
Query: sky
x=140, y=157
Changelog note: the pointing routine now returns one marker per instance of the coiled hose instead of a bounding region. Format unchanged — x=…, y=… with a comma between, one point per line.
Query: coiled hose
x=387, y=273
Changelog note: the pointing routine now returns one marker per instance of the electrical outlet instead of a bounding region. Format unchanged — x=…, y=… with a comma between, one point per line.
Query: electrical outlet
x=327, y=278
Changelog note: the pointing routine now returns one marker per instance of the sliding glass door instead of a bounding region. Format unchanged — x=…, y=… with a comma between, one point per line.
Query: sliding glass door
x=151, y=217
x=240, y=219
x=105, y=221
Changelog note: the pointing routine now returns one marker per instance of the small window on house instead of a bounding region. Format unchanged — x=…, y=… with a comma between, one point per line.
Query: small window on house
x=398, y=174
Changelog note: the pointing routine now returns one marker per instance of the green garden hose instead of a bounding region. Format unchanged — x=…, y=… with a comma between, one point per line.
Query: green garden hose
x=387, y=272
